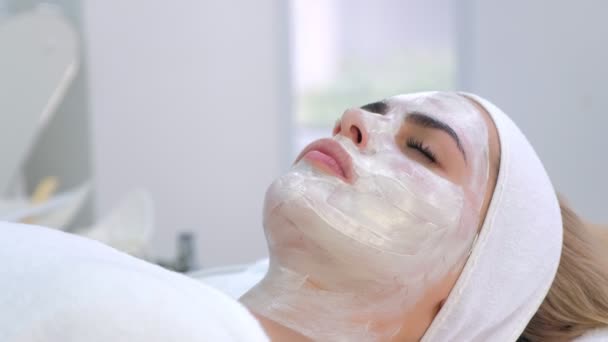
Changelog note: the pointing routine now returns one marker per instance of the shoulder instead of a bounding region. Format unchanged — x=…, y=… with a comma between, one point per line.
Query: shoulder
x=61, y=287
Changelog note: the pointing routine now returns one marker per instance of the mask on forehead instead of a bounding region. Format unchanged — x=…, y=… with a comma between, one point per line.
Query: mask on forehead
x=348, y=257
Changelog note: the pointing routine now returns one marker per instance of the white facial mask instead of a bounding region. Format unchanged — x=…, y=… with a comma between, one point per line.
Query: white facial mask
x=348, y=261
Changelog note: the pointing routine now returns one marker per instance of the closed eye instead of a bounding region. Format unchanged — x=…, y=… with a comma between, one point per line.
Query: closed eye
x=418, y=145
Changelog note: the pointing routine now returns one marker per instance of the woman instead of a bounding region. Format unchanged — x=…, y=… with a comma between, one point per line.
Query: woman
x=426, y=216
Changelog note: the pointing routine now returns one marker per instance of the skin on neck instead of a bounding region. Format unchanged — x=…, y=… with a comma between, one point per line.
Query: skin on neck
x=415, y=322
x=278, y=332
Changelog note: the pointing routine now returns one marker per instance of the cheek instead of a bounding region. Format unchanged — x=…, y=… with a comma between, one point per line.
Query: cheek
x=401, y=166
x=469, y=220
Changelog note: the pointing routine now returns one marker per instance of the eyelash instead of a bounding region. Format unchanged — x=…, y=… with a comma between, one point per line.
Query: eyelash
x=425, y=150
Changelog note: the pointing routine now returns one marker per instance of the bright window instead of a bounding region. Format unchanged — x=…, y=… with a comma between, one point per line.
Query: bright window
x=351, y=52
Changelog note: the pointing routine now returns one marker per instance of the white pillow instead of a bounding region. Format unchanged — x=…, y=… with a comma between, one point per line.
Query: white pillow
x=233, y=280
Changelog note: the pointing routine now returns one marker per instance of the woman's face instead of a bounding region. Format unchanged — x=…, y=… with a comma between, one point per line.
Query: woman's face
x=385, y=211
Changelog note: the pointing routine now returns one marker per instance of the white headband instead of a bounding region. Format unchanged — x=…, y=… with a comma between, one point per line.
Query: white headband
x=515, y=258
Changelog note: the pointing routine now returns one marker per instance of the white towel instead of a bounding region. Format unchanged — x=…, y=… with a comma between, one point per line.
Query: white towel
x=60, y=287
x=516, y=256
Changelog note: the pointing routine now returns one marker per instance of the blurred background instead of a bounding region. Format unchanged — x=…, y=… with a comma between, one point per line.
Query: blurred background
x=156, y=126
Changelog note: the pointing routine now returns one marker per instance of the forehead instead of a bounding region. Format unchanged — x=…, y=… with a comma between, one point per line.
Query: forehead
x=441, y=104
x=451, y=108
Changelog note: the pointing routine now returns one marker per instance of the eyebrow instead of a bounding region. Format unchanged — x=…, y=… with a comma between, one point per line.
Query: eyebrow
x=379, y=107
x=426, y=120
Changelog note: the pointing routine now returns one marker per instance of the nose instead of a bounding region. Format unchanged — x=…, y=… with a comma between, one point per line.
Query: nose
x=352, y=126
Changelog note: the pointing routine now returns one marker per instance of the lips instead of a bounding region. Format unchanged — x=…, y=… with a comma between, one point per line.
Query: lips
x=329, y=156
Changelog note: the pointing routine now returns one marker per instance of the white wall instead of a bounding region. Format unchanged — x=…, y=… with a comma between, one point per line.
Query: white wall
x=544, y=63
x=189, y=100
x=62, y=145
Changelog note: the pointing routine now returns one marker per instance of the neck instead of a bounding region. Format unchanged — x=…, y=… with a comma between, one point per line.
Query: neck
x=279, y=332
x=290, y=308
